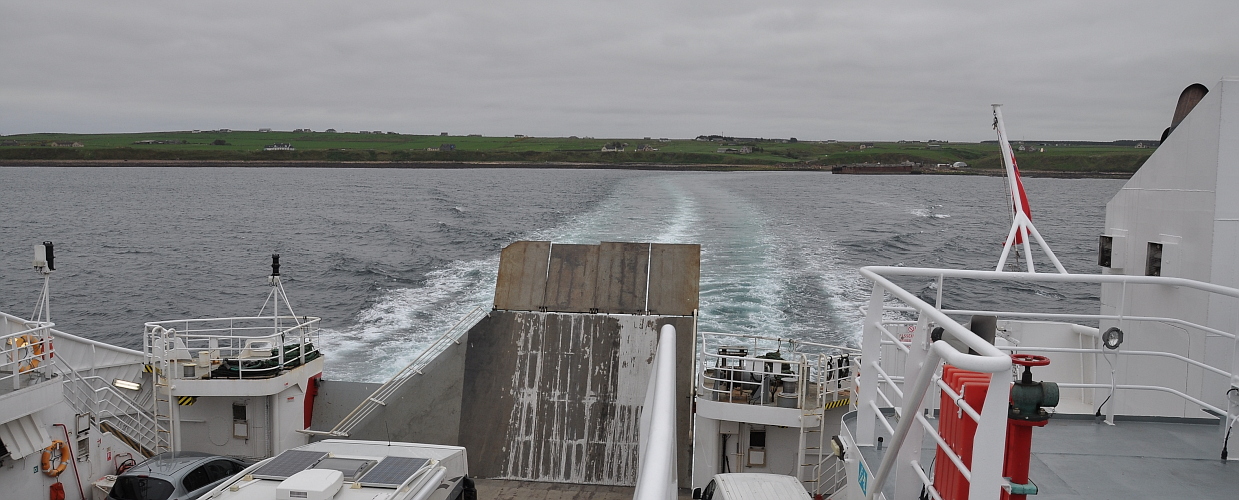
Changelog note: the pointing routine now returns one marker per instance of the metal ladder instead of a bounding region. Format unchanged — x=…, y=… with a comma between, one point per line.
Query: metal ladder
x=163, y=405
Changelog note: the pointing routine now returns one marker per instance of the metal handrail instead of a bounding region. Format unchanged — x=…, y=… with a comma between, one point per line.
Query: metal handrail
x=657, y=477
x=16, y=361
x=379, y=396
x=233, y=345
x=925, y=358
x=84, y=395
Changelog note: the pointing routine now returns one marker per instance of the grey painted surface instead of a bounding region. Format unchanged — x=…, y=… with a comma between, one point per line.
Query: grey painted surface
x=498, y=489
x=622, y=271
x=426, y=409
x=675, y=277
x=336, y=399
x=521, y=284
x=570, y=279
x=1076, y=458
x=609, y=278
x=557, y=397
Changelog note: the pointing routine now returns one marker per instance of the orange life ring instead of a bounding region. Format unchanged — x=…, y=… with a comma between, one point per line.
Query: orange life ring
x=36, y=350
x=60, y=450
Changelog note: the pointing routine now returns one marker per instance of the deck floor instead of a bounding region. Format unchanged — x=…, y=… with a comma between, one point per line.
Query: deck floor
x=1076, y=458
x=499, y=489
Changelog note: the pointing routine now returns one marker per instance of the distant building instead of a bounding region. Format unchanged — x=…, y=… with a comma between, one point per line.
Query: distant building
x=447, y=147
x=264, y=130
x=742, y=150
x=279, y=146
x=519, y=136
x=298, y=131
x=646, y=148
x=442, y=134
x=224, y=130
x=64, y=144
x=330, y=131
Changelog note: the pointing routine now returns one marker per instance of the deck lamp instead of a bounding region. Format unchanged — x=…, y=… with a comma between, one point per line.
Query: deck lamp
x=125, y=384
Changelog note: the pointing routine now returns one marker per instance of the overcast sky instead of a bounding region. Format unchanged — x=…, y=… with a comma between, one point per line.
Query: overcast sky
x=820, y=69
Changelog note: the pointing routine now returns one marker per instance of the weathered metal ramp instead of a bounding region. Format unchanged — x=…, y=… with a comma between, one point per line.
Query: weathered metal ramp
x=555, y=376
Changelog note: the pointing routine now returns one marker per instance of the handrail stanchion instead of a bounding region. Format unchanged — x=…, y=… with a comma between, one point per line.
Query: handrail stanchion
x=866, y=424
x=907, y=483
x=657, y=477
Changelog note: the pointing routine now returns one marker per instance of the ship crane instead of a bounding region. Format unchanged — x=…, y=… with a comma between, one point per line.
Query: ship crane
x=1022, y=228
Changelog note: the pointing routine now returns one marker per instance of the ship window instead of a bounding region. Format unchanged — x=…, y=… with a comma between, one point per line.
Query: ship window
x=1105, y=249
x=757, y=439
x=1153, y=260
x=238, y=411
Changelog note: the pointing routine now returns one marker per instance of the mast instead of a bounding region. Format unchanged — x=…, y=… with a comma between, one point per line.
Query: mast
x=1022, y=227
x=44, y=264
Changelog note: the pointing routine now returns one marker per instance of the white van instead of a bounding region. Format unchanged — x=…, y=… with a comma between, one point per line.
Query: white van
x=752, y=486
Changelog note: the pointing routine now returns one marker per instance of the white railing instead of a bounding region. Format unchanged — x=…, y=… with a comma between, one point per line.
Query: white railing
x=414, y=368
x=657, y=478
x=749, y=369
x=26, y=352
x=900, y=370
x=241, y=347
x=95, y=396
x=730, y=370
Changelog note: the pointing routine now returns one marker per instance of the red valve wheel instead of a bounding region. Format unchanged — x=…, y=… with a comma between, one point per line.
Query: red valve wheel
x=1029, y=360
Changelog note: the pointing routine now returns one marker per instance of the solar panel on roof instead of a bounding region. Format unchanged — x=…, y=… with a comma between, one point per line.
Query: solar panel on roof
x=288, y=463
x=392, y=472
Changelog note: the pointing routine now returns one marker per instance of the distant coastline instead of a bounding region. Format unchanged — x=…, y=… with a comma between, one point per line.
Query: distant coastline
x=795, y=167
x=375, y=149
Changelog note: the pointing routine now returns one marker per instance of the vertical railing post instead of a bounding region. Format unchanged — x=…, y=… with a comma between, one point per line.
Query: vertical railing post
x=870, y=347
x=987, y=460
x=907, y=482
x=657, y=477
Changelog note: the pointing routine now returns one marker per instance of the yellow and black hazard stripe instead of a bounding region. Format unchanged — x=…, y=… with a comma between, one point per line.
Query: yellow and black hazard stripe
x=838, y=404
x=186, y=400
x=152, y=369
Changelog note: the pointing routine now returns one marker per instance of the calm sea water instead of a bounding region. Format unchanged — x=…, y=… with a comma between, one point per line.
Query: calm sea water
x=391, y=257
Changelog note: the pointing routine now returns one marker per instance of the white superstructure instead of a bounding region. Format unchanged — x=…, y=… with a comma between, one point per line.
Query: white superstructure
x=239, y=386
x=1146, y=387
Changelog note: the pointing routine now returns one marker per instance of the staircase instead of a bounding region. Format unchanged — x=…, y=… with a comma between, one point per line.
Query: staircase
x=115, y=412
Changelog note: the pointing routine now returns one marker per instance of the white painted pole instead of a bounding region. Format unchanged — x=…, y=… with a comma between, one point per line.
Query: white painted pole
x=657, y=476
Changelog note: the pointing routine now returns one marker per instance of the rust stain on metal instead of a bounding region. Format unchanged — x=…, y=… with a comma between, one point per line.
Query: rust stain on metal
x=521, y=285
x=621, y=277
x=571, y=279
x=675, y=279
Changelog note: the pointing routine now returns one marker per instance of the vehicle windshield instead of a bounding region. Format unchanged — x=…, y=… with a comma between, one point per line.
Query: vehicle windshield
x=141, y=488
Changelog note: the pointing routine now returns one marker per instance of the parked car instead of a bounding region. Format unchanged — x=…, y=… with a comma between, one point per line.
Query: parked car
x=175, y=476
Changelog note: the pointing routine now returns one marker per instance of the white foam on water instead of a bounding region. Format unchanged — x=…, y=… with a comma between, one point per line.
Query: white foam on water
x=403, y=322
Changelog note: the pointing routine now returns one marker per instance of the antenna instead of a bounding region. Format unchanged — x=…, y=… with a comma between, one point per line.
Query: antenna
x=44, y=264
x=1021, y=218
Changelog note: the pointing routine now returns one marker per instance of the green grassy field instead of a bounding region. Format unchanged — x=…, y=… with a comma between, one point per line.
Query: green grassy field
x=351, y=146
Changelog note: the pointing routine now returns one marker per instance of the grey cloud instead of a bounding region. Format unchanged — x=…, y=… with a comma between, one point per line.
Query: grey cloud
x=846, y=70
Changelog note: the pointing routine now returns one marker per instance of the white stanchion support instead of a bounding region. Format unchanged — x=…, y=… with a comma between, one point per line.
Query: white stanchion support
x=657, y=472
